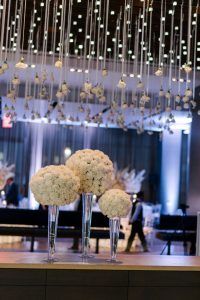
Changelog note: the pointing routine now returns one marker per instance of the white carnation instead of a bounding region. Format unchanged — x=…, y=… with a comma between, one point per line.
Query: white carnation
x=94, y=169
x=55, y=185
x=115, y=203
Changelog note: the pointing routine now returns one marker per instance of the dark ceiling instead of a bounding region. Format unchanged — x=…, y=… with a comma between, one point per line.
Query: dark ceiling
x=116, y=6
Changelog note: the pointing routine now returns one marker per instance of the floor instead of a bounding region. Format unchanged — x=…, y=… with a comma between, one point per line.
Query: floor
x=63, y=245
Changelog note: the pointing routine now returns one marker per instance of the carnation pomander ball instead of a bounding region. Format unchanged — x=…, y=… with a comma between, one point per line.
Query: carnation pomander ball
x=115, y=203
x=94, y=169
x=55, y=185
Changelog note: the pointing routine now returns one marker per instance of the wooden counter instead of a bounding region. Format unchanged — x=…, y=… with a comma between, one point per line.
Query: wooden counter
x=26, y=276
x=27, y=260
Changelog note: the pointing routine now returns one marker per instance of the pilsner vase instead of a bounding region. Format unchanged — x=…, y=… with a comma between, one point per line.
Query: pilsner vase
x=53, y=213
x=86, y=223
x=114, y=236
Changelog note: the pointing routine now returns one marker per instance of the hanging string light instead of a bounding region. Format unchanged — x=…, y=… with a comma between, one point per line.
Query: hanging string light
x=118, y=65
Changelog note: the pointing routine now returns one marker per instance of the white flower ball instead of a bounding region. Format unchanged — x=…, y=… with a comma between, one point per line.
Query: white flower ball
x=94, y=169
x=55, y=185
x=115, y=203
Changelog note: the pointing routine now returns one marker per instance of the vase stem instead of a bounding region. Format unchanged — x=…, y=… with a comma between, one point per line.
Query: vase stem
x=53, y=213
x=86, y=222
x=114, y=236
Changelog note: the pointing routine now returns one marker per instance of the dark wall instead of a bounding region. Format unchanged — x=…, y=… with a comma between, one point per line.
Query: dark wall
x=127, y=149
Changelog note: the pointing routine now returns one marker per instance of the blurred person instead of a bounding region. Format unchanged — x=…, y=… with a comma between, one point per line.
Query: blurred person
x=136, y=220
x=11, y=190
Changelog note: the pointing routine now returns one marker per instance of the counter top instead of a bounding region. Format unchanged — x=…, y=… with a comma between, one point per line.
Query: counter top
x=27, y=260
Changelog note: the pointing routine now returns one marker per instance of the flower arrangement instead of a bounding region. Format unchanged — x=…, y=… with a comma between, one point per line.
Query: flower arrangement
x=55, y=185
x=94, y=169
x=133, y=182
x=127, y=180
x=5, y=173
x=115, y=203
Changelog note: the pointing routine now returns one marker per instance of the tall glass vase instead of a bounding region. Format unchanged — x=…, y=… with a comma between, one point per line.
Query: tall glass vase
x=53, y=213
x=114, y=236
x=86, y=223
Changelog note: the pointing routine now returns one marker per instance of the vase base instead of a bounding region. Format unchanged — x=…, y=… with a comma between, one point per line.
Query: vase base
x=113, y=261
x=50, y=260
x=85, y=256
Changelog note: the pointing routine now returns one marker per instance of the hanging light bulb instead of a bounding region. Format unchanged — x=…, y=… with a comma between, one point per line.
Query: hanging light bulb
x=21, y=64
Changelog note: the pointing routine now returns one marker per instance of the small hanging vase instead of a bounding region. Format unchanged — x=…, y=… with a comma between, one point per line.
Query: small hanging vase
x=86, y=223
x=53, y=213
x=114, y=236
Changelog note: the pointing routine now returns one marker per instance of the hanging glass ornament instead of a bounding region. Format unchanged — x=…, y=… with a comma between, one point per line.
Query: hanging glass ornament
x=178, y=98
x=161, y=93
x=168, y=95
x=185, y=99
x=102, y=99
x=87, y=86
x=159, y=72
x=64, y=88
x=121, y=84
x=178, y=107
x=187, y=68
x=5, y=66
x=37, y=79
x=58, y=64
x=193, y=103
x=140, y=84
x=186, y=105
x=15, y=80
x=21, y=64
x=1, y=70
x=83, y=95
x=188, y=92
x=104, y=72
